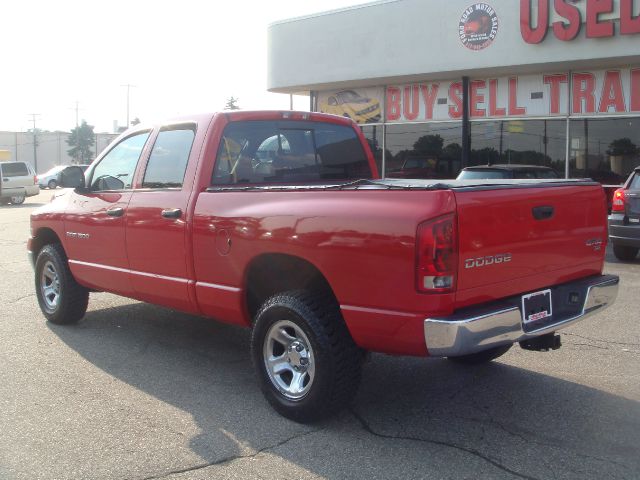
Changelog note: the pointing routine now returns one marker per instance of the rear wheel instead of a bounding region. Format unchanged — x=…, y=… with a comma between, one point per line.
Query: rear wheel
x=52, y=184
x=481, y=357
x=624, y=253
x=17, y=199
x=307, y=363
x=62, y=300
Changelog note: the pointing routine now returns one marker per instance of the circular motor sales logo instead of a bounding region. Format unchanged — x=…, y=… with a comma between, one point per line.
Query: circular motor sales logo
x=478, y=26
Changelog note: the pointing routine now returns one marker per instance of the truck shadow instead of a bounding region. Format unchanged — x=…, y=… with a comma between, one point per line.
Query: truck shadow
x=203, y=368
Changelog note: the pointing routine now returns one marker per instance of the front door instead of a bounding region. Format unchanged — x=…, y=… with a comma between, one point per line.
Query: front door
x=95, y=219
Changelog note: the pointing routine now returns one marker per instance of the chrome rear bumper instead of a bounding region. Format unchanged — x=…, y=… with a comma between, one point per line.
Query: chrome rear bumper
x=500, y=323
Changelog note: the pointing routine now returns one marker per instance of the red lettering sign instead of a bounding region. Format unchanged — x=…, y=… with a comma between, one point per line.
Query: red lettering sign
x=476, y=98
x=612, y=95
x=567, y=31
x=537, y=34
x=429, y=96
x=584, y=85
x=514, y=109
x=554, y=82
x=635, y=90
x=595, y=27
x=628, y=23
x=411, y=102
x=393, y=104
x=494, y=110
x=455, y=96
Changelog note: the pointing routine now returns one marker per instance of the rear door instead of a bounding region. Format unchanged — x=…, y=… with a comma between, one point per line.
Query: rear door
x=95, y=218
x=157, y=219
x=514, y=240
x=632, y=200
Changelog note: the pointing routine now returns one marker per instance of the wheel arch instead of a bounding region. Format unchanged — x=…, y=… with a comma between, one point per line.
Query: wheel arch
x=272, y=273
x=44, y=236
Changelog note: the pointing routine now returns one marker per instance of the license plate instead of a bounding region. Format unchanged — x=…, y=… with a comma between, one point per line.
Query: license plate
x=536, y=306
x=634, y=220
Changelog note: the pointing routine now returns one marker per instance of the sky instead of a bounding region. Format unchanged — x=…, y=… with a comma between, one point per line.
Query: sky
x=182, y=57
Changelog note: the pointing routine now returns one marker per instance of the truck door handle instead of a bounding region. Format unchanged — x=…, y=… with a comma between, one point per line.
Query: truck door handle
x=543, y=212
x=115, y=212
x=171, y=213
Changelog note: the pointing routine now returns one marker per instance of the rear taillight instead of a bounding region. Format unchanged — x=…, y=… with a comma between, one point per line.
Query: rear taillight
x=35, y=179
x=618, y=201
x=437, y=255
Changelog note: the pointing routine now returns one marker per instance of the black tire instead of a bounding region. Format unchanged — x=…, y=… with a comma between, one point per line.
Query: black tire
x=18, y=199
x=335, y=358
x=481, y=357
x=52, y=184
x=72, y=299
x=625, y=253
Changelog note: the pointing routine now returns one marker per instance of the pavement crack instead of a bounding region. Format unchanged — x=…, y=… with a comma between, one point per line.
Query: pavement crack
x=22, y=298
x=470, y=451
x=609, y=342
x=231, y=458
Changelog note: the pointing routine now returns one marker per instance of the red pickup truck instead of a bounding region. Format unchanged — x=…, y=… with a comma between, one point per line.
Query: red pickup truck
x=278, y=221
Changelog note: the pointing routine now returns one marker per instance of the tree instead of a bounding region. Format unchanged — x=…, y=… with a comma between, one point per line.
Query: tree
x=429, y=145
x=622, y=146
x=232, y=104
x=81, y=140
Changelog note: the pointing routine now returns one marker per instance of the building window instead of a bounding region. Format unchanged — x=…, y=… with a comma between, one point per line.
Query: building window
x=527, y=142
x=423, y=150
x=374, y=134
x=606, y=150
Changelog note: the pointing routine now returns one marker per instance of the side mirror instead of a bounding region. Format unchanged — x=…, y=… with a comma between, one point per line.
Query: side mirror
x=71, y=177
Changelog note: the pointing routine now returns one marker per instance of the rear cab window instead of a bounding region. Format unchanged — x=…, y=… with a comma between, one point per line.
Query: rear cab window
x=635, y=182
x=268, y=152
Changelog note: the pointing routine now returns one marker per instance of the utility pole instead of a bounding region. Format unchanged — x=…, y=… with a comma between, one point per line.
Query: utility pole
x=128, y=85
x=77, y=113
x=35, y=139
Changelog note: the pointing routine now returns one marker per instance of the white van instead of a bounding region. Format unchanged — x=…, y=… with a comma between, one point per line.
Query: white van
x=17, y=182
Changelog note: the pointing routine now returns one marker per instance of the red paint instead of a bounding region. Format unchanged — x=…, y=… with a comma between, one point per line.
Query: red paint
x=411, y=102
x=635, y=90
x=539, y=32
x=514, y=109
x=429, y=95
x=597, y=28
x=612, y=94
x=476, y=97
x=554, y=82
x=394, y=109
x=362, y=241
x=494, y=110
x=455, y=96
x=584, y=85
x=629, y=24
x=567, y=31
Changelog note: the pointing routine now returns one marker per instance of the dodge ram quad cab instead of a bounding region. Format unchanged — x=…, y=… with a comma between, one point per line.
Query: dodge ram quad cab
x=279, y=222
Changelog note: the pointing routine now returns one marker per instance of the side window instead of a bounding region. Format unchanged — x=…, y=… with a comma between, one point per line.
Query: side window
x=115, y=171
x=168, y=161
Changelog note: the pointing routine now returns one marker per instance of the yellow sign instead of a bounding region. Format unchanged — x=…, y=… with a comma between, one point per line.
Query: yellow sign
x=5, y=155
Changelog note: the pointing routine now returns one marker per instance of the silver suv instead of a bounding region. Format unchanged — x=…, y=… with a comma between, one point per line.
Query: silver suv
x=17, y=182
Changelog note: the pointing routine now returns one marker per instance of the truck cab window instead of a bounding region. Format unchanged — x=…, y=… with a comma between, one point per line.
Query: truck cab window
x=169, y=156
x=115, y=171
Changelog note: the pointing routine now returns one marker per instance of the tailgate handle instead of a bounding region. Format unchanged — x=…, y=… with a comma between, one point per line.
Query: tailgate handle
x=542, y=213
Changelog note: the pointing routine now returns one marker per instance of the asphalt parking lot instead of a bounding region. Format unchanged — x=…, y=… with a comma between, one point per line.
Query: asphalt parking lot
x=139, y=392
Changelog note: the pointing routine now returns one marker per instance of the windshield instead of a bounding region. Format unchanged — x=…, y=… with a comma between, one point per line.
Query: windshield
x=55, y=170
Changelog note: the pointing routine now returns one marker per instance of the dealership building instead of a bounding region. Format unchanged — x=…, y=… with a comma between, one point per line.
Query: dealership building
x=440, y=85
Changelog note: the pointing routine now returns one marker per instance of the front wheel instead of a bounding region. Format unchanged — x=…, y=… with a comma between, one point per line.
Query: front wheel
x=62, y=300
x=307, y=363
x=624, y=253
x=52, y=184
x=481, y=357
x=17, y=199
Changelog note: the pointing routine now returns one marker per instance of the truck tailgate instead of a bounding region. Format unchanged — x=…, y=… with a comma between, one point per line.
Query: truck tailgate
x=521, y=238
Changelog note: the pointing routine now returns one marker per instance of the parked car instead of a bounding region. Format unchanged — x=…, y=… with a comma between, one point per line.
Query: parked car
x=349, y=103
x=503, y=171
x=321, y=259
x=624, y=221
x=51, y=178
x=17, y=182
